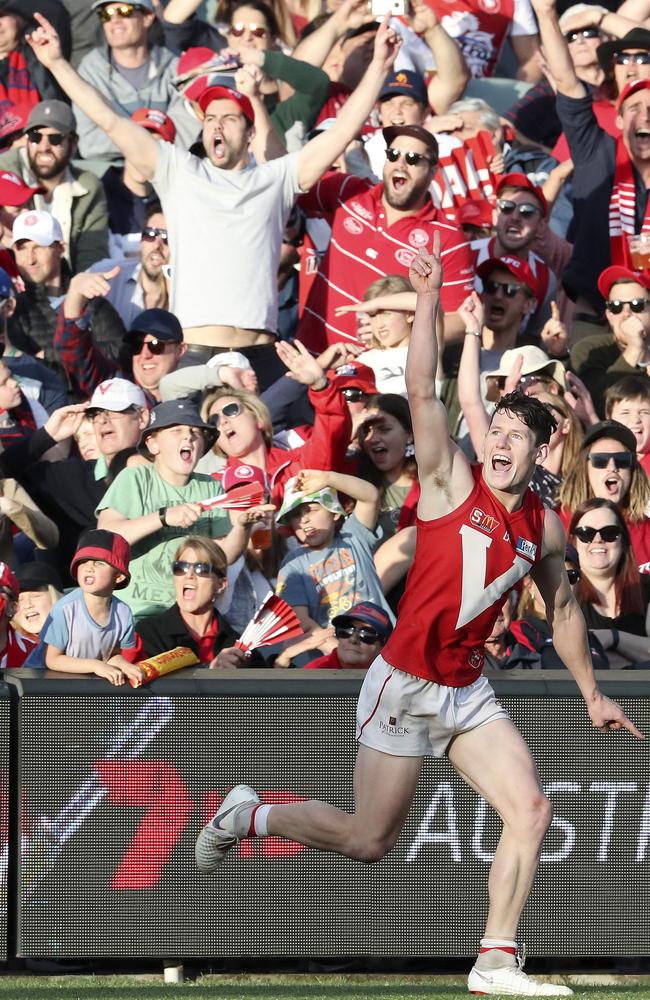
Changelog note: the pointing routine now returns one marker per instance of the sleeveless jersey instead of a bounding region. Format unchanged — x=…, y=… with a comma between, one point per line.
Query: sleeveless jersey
x=465, y=564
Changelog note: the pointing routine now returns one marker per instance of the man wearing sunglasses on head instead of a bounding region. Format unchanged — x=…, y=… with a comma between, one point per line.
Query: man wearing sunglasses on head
x=624, y=349
x=75, y=197
x=127, y=71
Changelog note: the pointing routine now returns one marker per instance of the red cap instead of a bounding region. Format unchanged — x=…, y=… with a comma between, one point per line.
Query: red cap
x=14, y=191
x=226, y=94
x=8, y=580
x=354, y=375
x=523, y=181
x=475, y=213
x=193, y=58
x=518, y=269
x=97, y=543
x=629, y=89
x=237, y=475
x=613, y=274
x=155, y=121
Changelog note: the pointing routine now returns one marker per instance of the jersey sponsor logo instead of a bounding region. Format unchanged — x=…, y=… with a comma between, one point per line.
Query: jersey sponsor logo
x=405, y=257
x=372, y=253
x=418, y=238
x=360, y=210
x=477, y=593
x=352, y=226
x=525, y=548
x=484, y=521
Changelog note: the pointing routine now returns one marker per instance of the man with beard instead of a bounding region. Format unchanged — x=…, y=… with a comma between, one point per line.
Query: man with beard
x=75, y=197
x=378, y=230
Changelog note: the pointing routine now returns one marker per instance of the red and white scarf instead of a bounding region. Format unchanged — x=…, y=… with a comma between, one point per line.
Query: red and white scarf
x=464, y=174
x=622, y=209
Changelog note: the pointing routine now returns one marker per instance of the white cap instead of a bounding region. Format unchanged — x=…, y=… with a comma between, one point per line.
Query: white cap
x=117, y=394
x=580, y=8
x=534, y=360
x=231, y=359
x=41, y=227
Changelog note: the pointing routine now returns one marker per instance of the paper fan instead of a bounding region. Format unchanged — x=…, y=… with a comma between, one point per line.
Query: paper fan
x=238, y=498
x=274, y=621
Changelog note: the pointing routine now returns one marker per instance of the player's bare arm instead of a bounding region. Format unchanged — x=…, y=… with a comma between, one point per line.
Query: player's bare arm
x=569, y=630
x=443, y=470
x=136, y=143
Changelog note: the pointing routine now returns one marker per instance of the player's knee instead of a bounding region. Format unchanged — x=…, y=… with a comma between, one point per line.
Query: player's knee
x=540, y=813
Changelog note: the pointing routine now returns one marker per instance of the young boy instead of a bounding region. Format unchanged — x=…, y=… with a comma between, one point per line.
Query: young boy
x=85, y=630
x=333, y=569
x=628, y=401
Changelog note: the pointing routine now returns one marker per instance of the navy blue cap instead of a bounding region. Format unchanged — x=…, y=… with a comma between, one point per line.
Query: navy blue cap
x=6, y=287
x=368, y=613
x=175, y=413
x=159, y=323
x=406, y=82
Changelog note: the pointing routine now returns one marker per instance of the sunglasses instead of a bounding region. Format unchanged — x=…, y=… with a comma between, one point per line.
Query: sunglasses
x=120, y=10
x=509, y=288
x=149, y=234
x=527, y=380
x=181, y=568
x=526, y=210
x=609, y=533
x=96, y=416
x=137, y=344
x=354, y=395
x=258, y=30
x=573, y=575
x=34, y=137
x=632, y=58
x=622, y=459
x=616, y=305
x=393, y=155
x=573, y=36
x=230, y=410
x=365, y=635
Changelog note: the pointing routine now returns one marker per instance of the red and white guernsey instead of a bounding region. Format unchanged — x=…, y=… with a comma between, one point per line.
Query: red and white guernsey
x=465, y=564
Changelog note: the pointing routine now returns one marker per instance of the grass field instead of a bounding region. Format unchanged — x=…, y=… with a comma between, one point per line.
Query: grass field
x=272, y=987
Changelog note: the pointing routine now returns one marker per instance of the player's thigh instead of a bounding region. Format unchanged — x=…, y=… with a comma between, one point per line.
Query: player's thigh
x=384, y=786
x=495, y=760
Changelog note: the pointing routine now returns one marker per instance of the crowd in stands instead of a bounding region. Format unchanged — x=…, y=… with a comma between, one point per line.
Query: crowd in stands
x=207, y=216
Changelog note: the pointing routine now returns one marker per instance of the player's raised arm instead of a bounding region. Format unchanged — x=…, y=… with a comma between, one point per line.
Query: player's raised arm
x=437, y=455
x=569, y=630
x=134, y=142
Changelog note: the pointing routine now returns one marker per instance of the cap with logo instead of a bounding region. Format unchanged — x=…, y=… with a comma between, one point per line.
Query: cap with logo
x=368, y=613
x=194, y=70
x=355, y=375
x=293, y=498
x=523, y=181
x=413, y=132
x=629, y=90
x=637, y=38
x=105, y=545
x=160, y=323
x=237, y=475
x=226, y=94
x=117, y=395
x=175, y=413
x=517, y=268
x=52, y=114
x=155, y=121
x=13, y=190
x=147, y=4
x=611, y=275
x=407, y=83
x=40, y=227
x=610, y=429
x=8, y=579
x=534, y=360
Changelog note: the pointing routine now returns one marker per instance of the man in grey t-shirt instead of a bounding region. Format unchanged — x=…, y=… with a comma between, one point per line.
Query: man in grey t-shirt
x=225, y=216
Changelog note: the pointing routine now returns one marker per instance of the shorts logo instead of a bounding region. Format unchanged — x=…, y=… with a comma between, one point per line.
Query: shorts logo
x=405, y=257
x=483, y=521
x=352, y=226
x=418, y=238
x=490, y=6
x=525, y=548
x=476, y=659
x=392, y=729
x=360, y=210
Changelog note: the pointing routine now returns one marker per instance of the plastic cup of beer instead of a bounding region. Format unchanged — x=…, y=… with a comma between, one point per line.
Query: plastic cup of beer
x=639, y=244
x=262, y=533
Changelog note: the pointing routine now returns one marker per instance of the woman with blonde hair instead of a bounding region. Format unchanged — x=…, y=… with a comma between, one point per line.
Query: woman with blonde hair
x=607, y=468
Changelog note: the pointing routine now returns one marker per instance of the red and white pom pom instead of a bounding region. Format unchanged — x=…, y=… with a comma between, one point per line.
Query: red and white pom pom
x=274, y=621
x=238, y=498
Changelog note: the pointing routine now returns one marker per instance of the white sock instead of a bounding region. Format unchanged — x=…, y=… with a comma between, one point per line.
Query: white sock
x=260, y=821
x=496, y=953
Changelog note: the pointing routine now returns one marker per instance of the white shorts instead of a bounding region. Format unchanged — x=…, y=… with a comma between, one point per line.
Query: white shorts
x=408, y=716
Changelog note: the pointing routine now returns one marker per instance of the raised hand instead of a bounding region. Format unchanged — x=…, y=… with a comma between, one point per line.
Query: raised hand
x=423, y=17
x=66, y=421
x=45, y=42
x=387, y=45
x=339, y=354
x=303, y=367
x=579, y=398
x=311, y=480
x=554, y=336
x=248, y=80
x=425, y=272
x=85, y=286
x=512, y=381
x=471, y=312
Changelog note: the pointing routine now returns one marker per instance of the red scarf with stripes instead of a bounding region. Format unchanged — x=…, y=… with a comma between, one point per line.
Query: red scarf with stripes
x=622, y=210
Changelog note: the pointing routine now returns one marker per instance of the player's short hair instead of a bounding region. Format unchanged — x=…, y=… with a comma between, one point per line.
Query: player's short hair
x=628, y=387
x=536, y=415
